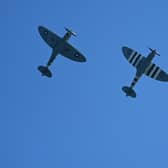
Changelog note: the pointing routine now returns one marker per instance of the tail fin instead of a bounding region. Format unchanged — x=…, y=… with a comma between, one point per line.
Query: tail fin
x=45, y=71
x=129, y=91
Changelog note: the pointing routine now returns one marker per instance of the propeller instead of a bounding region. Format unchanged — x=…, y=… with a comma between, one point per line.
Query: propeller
x=153, y=50
x=71, y=32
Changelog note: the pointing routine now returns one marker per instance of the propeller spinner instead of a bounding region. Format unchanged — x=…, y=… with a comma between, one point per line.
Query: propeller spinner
x=153, y=50
x=71, y=32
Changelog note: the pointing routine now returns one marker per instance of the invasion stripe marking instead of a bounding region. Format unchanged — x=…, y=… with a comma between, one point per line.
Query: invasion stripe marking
x=138, y=61
x=136, y=78
x=147, y=69
x=157, y=73
x=154, y=73
x=133, y=83
x=133, y=57
x=151, y=68
x=137, y=58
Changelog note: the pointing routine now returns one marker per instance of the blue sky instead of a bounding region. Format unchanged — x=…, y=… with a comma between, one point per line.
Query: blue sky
x=80, y=118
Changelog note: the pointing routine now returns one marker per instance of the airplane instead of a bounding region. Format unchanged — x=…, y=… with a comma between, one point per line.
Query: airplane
x=143, y=65
x=59, y=46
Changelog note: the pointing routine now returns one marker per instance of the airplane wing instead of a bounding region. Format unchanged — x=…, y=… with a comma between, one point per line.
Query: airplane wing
x=152, y=70
x=156, y=72
x=49, y=37
x=70, y=52
x=132, y=56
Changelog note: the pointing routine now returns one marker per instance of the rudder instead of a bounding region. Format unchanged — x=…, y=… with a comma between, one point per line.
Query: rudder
x=45, y=71
x=129, y=91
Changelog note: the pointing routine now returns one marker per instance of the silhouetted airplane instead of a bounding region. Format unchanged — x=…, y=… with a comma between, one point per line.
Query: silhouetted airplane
x=59, y=46
x=143, y=65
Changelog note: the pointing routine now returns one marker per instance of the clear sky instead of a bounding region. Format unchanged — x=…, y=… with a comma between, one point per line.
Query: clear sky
x=80, y=118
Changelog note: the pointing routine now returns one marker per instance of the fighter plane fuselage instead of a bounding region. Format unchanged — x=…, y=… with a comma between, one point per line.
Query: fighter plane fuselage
x=67, y=36
x=59, y=46
x=145, y=63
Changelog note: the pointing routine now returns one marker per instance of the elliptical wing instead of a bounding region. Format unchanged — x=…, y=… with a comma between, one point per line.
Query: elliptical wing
x=132, y=56
x=70, y=52
x=156, y=73
x=49, y=37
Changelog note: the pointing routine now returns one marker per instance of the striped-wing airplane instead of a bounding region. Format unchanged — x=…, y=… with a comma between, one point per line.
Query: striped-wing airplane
x=143, y=65
x=59, y=45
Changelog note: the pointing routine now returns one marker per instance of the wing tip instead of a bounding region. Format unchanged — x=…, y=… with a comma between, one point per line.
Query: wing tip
x=124, y=50
x=84, y=59
x=127, y=51
x=163, y=77
x=40, y=28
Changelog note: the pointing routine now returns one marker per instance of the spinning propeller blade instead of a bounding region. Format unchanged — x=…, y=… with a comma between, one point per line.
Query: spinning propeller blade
x=153, y=50
x=71, y=32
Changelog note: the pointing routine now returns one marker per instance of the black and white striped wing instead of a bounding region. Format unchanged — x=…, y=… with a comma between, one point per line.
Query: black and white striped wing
x=132, y=56
x=156, y=73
